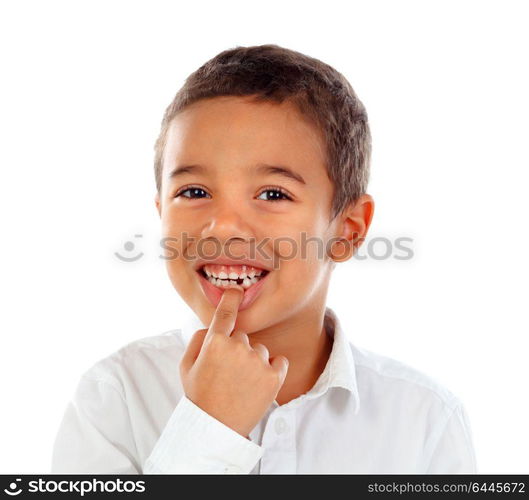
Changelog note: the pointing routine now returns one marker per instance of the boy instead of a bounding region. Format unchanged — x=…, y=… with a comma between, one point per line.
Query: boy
x=263, y=146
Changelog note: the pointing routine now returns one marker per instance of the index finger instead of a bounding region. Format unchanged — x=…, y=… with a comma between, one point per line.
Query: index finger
x=225, y=315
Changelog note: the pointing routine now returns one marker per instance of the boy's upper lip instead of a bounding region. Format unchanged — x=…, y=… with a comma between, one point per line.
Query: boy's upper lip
x=220, y=261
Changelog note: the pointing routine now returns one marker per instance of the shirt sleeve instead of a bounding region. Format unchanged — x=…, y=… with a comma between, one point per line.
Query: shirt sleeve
x=194, y=442
x=95, y=435
x=454, y=452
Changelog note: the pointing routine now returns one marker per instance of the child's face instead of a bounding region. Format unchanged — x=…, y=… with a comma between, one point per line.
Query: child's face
x=229, y=137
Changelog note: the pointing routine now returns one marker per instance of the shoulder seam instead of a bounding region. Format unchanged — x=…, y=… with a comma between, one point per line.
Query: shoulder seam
x=105, y=382
x=439, y=436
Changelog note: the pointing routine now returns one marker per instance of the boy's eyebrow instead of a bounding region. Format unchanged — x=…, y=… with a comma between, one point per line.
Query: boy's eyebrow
x=280, y=170
x=185, y=169
x=263, y=168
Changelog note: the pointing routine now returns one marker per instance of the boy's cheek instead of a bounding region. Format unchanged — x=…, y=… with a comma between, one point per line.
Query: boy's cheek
x=181, y=278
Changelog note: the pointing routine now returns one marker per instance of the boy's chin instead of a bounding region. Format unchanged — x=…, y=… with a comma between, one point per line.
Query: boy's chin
x=253, y=320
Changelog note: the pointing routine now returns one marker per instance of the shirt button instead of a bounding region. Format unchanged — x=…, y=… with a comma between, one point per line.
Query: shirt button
x=232, y=469
x=280, y=425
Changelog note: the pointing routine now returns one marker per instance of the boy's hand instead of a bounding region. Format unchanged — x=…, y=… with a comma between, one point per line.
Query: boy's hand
x=225, y=376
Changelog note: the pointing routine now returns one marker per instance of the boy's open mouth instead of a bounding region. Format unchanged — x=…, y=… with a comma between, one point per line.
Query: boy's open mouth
x=215, y=278
x=223, y=276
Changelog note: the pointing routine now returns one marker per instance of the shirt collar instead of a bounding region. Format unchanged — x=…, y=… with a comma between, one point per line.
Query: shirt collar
x=339, y=370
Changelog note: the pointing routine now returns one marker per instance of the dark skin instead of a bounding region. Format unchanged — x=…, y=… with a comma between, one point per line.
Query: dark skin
x=229, y=136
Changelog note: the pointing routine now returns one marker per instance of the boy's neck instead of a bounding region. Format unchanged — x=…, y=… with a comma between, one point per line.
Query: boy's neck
x=307, y=347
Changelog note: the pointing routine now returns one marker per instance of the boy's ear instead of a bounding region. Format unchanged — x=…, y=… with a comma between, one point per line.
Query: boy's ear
x=157, y=203
x=355, y=222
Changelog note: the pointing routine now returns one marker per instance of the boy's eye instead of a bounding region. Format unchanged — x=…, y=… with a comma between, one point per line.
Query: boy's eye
x=193, y=190
x=279, y=194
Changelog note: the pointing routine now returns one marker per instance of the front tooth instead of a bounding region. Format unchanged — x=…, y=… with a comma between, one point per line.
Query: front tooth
x=233, y=276
x=233, y=282
x=223, y=275
x=246, y=282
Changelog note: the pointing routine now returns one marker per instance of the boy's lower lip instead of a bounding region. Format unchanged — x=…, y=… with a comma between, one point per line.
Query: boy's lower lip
x=214, y=293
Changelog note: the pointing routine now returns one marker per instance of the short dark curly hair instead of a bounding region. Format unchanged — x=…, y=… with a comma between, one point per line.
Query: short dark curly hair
x=273, y=73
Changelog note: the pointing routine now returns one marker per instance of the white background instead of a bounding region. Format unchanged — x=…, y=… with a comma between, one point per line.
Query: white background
x=83, y=89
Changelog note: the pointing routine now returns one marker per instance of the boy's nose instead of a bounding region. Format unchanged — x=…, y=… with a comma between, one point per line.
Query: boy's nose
x=227, y=223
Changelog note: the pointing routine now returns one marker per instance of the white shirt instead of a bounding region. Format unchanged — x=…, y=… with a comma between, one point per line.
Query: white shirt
x=366, y=413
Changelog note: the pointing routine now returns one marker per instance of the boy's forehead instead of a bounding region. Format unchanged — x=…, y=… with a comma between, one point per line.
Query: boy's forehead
x=236, y=130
